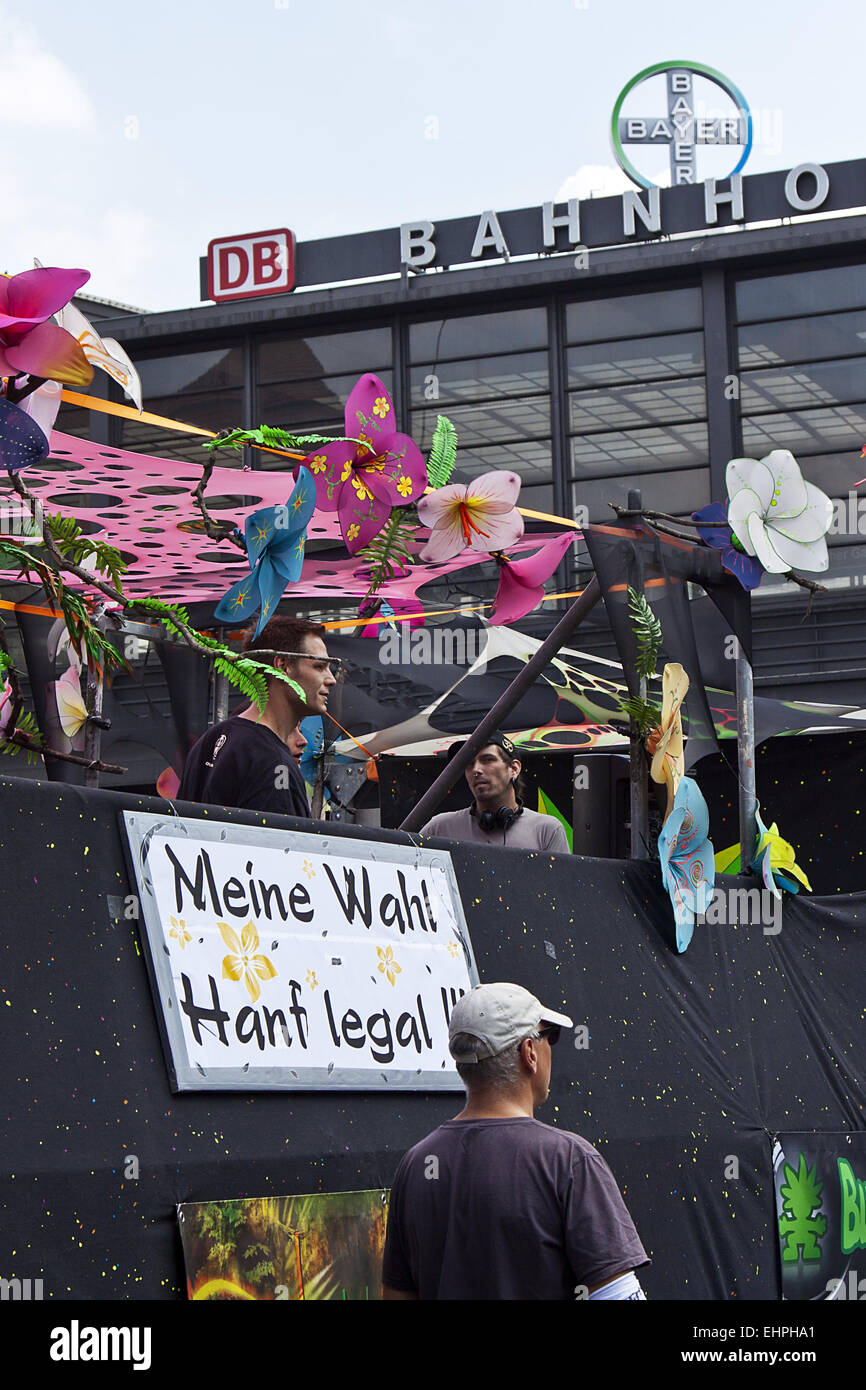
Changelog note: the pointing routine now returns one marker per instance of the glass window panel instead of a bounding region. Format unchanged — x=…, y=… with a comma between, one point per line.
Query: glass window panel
x=647, y=450
x=679, y=492
x=309, y=406
x=792, y=388
x=285, y=359
x=633, y=406
x=809, y=432
x=479, y=378
x=72, y=419
x=802, y=292
x=474, y=335
x=803, y=340
x=628, y=315
x=531, y=460
x=539, y=499
x=215, y=411
x=489, y=424
x=644, y=359
x=189, y=371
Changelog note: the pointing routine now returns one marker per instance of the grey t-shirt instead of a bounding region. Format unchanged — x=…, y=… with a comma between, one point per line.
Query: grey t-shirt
x=529, y=831
x=505, y=1209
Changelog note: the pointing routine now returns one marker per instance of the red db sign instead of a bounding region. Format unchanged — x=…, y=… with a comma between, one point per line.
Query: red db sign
x=241, y=267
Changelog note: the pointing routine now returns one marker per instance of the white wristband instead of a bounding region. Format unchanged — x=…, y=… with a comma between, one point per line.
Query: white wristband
x=625, y=1287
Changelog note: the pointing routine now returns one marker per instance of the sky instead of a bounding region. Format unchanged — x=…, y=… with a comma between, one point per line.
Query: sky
x=133, y=135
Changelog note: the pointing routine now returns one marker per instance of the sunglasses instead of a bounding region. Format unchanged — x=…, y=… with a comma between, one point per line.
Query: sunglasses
x=334, y=663
x=552, y=1034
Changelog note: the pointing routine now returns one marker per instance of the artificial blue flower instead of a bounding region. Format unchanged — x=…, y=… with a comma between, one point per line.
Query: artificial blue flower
x=687, y=860
x=22, y=442
x=275, y=538
x=744, y=567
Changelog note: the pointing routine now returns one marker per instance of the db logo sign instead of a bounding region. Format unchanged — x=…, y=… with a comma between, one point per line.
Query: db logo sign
x=241, y=267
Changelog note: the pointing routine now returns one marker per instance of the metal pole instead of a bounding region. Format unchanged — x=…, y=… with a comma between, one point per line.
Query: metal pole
x=748, y=801
x=454, y=770
x=93, y=737
x=637, y=768
x=221, y=690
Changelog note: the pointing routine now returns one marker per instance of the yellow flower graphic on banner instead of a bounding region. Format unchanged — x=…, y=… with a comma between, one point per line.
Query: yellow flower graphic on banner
x=353, y=531
x=243, y=963
x=381, y=407
x=453, y=949
x=318, y=464
x=387, y=965
x=311, y=979
x=179, y=932
x=347, y=471
x=404, y=485
x=364, y=493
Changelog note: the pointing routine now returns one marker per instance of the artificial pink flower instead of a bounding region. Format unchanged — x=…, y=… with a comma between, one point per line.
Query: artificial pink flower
x=364, y=482
x=5, y=709
x=482, y=516
x=28, y=343
x=521, y=582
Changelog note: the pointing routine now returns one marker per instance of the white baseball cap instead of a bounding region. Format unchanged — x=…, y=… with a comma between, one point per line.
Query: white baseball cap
x=498, y=1015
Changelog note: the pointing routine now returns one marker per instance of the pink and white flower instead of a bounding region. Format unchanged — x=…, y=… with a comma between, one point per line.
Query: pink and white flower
x=521, y=582
x=29, y=345
x=480, y=516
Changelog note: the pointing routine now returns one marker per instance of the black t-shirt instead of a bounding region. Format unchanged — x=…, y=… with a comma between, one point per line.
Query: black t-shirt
x=505, y=1209
x=239, y=763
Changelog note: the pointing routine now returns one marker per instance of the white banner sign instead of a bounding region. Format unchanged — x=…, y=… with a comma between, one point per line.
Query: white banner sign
x=291, y=961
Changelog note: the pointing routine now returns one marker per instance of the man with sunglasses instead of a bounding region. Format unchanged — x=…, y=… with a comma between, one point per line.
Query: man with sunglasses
x=249, y=759
x=493, y=1204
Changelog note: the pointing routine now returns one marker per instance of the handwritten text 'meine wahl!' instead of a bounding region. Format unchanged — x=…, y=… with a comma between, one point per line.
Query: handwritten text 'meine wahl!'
x=273, y=901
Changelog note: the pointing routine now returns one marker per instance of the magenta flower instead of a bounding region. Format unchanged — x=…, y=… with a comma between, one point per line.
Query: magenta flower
x=521, y=582
x=364, y=482
x=28, y=343
x=482, y=516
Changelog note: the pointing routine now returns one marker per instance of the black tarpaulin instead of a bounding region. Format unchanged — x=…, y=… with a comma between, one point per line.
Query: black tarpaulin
x=691, y=1060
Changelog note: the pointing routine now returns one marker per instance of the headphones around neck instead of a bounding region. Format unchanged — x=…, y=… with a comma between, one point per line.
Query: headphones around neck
x=497, y=820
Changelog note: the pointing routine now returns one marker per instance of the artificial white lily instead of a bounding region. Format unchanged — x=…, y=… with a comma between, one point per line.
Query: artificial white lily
x=776, y=515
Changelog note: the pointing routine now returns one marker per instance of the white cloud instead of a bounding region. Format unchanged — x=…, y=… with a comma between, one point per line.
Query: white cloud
x=37, y=91
x=603, y=181
x=118, y=248
x=593, y=181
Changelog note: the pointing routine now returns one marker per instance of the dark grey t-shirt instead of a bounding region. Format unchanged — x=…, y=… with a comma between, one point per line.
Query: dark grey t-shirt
x=529, y=831
x=505, y=1209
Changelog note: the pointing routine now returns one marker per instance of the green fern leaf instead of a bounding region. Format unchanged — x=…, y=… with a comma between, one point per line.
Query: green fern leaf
x=648, y=634
x=443, y=453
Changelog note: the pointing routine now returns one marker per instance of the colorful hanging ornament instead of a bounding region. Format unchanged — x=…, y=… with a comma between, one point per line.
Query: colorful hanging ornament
x=666, y=742
x=275, y=538
x=686, y=858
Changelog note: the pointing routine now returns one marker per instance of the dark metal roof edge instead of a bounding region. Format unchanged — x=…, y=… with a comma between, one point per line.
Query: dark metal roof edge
x=534, y=276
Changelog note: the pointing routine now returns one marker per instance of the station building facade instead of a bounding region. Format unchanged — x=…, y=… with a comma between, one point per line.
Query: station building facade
x=588, y=371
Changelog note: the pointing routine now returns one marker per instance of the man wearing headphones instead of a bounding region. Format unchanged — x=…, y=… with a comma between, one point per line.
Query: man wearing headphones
x=498, y=816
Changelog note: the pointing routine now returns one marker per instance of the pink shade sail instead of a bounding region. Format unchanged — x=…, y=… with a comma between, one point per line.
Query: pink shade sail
x=143, y=505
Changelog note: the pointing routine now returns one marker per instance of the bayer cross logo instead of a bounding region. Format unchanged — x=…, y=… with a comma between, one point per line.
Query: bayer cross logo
x=686, y=125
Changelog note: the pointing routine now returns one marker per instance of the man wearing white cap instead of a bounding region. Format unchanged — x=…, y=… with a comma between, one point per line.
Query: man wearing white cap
x=493, y=1204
